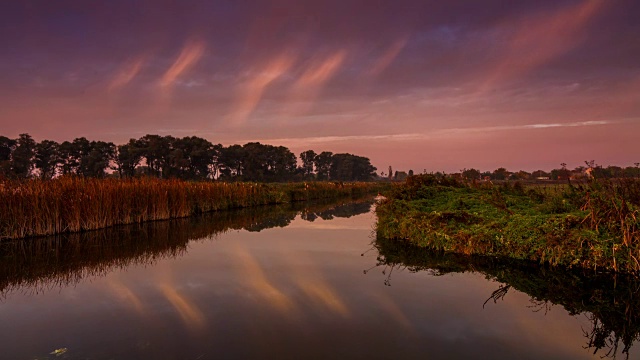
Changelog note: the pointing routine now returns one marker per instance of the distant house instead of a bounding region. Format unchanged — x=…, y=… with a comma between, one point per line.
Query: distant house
x=542, y=178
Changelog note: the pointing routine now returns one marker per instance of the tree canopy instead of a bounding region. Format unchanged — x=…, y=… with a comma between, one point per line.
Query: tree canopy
x=189, y=158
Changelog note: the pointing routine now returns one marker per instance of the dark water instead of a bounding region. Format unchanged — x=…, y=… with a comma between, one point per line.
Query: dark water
x=287, y=283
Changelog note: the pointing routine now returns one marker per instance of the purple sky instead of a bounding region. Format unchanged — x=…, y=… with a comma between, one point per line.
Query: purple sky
x=416, y=84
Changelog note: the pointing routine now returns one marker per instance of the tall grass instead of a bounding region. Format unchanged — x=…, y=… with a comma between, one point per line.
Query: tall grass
x=72, y=204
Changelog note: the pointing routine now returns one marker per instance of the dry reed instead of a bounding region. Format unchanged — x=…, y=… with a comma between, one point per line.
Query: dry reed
x=72, y=204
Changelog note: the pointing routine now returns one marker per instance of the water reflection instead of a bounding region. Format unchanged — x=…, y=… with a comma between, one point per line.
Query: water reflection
x=319, y=291
x=610, y=302
x=189, y=312
x=184, y=290
x=35, y=265
x=260, y=283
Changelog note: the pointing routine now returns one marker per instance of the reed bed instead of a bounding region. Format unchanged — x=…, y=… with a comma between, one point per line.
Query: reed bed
x=72, y=204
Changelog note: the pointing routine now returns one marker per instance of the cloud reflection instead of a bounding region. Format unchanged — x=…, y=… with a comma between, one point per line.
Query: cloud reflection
x=257, y=280
x=189, y=312
x=315, y=287
x=391, y=308
x=124, y=293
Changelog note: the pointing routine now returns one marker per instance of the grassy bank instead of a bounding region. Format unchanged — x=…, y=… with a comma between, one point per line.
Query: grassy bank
x=593, y=225
x=72, y=204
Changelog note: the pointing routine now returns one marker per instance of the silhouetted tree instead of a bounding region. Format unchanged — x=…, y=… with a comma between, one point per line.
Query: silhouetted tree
x=521, y=175
x=128, y=157
x=47, y=158
x=471, y=174
x=267, y=163
x=165, y=156
x=632, y=171
x=70, y=154
x=98, y=159
x=322, y=163
x=192, y=157
x=22, y=156
x=539, y=173
x=230, y=163
x=561, y=174
x=156, y=150
x=201, y=155
x=188, y=158
x=308, y=158
x=348, y=167
x=281, y=164
x=500, y=174
x=6, y=148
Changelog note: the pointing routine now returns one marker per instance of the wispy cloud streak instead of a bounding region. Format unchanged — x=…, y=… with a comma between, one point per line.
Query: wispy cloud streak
x=388, y=57
x=430, y=135
x=126, y=73
x=306, y=89
x=537, y=40
x=253, y=90
x=191, y=53
x=321, y=71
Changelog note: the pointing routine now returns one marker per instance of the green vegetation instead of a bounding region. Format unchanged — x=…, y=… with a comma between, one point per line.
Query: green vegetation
x=610, y=301
x=71, y=204
x=592, y=225
x=584, y=172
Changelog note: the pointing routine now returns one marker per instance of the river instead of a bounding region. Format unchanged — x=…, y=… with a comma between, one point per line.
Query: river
x=309, y=281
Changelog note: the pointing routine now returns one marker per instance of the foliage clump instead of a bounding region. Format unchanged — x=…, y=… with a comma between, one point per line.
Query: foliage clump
x=592, y=225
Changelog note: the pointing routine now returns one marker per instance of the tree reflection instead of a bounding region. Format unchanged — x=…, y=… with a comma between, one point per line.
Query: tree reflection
x=35, y=265
x=610, y=302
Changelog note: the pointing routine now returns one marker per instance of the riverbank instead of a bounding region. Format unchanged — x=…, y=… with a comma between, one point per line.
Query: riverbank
x=73, y=204
x=594, y=225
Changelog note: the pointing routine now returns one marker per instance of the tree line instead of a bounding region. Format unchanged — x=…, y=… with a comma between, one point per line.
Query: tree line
x=189, y=158
x=590, y=170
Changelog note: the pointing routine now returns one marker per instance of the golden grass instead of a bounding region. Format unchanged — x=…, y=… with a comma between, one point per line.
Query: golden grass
x=72, y=204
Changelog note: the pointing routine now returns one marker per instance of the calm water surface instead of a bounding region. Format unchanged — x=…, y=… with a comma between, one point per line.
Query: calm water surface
x=287, y=283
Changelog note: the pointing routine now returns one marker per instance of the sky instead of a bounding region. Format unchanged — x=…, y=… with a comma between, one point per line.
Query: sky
x=427, y=85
